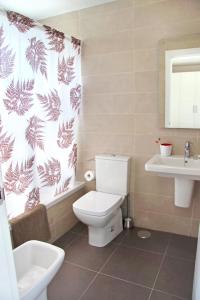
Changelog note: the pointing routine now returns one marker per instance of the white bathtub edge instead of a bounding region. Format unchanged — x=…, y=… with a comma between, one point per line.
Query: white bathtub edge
x=77, y=186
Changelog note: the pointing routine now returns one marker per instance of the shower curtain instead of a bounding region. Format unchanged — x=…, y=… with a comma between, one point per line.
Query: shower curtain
x=40, y=94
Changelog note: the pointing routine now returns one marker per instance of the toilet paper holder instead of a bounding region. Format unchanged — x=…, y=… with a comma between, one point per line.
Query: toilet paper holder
x=89, y=175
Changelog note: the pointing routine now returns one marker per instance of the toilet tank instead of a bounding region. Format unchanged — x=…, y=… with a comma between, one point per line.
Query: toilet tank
x=112, y=174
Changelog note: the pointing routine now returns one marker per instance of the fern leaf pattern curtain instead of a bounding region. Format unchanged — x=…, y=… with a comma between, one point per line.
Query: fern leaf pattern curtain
x=40, y=94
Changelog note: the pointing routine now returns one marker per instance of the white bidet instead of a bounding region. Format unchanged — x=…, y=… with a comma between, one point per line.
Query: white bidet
x=36, y=264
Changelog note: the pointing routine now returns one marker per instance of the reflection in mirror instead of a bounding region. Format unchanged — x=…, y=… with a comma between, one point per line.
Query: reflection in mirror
x=182, y=88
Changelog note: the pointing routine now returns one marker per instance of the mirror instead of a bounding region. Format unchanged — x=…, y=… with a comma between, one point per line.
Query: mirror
x=180, y=82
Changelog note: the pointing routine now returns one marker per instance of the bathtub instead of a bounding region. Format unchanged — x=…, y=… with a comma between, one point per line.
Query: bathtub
x=59, y=211
x=76, y=187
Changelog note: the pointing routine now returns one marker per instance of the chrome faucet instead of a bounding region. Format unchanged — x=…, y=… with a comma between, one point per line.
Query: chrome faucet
x=187, y=149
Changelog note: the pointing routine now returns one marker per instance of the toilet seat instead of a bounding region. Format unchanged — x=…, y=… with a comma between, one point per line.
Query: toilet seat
x=97, y=203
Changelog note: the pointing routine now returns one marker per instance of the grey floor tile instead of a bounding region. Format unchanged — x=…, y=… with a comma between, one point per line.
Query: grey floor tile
x=69, y=283
x=120, y=237
x=81, y=253
x=107, y=288
x=161, y=296
x=157, y=242
x=80, y=228
x=176, y=277
x=134, y=265
x=182, y=247
x=65, y=240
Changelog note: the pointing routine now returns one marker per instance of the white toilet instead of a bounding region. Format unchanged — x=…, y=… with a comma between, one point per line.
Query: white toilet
x=100, y=209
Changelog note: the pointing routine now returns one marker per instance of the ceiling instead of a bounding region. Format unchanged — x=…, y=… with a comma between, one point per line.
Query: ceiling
x=41, y=9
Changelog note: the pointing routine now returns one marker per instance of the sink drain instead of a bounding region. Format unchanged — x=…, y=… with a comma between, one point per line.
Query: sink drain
x=143, y=234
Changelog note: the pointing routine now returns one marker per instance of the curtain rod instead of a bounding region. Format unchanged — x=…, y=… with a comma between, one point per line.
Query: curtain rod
x=40, y=25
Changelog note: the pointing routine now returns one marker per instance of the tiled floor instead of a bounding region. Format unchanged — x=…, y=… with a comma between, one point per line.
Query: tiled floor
x=158, y=268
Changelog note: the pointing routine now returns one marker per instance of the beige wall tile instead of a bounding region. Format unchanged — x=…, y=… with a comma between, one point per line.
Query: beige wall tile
x=120, y=102
x=138, y=165
x=193, y=9
x=146, y=82
x=163, y=222
x=145, y=145
x=92, y=24
x=145, y=60
x=151, y=184
x=148, y=37
x=117, y=62
x=117, y=83
x=146, y=123
x=61, y=217
x=146, y=103
x=154, y=203
x=113, y=21
x=159, y=13
x=183, y=27
x=108, y=104
x=116, y=124
x=196, y=200
x=195, y=227
x=107, y=43
x=111, y=143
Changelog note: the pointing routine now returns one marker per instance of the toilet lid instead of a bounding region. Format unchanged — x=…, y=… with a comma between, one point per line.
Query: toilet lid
x=97, y=203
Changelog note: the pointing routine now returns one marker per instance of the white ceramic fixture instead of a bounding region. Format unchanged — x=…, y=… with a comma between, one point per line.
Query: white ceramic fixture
x=100, y=209
x=184, y=174
x=36, y=264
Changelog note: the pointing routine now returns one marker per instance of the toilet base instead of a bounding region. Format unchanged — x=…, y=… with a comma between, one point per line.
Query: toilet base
x=100, y=237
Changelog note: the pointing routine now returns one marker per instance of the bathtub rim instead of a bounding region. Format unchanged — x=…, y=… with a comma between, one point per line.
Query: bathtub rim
x=78, y=185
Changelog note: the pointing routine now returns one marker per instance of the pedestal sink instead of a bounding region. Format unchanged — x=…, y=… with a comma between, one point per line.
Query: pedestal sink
x=184, y=172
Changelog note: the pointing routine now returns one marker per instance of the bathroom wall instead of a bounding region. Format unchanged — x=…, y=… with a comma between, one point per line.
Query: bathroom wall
x=61, y=217
x=120, y=98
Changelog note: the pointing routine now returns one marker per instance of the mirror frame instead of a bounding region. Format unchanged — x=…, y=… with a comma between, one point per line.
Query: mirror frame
x=183, y=42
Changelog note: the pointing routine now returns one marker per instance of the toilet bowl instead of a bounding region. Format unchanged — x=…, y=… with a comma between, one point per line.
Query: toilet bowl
x=100, y=209
x=102, y=213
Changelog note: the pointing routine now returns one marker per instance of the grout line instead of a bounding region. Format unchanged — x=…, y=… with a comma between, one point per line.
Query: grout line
x=165, y=293
x=122, y=93
x=91, y=282
x=68, y=244
x=110, y=74
x=80, y=266
x=79, y=233
x=101, y=268
x=161, y=264
x=117, y=246
x=126, y=281
x=143, y=250
x=181, y=258
x=89, y=285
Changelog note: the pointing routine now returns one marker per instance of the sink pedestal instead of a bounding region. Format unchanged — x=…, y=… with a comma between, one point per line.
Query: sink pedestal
x=184, y=174
x=183, y=191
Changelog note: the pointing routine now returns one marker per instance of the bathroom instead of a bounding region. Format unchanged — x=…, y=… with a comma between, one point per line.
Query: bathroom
x=121, y=113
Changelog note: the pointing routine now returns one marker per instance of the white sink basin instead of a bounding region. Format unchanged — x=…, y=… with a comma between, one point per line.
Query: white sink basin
x=174, y=165
x=184, y=173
